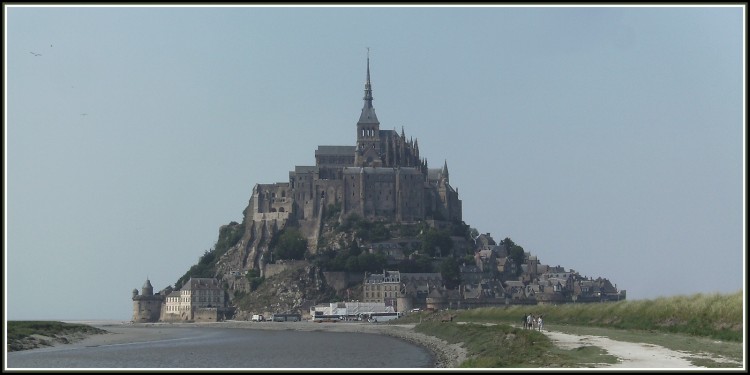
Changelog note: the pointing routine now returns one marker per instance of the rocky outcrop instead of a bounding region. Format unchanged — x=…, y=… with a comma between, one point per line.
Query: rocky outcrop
x=251, y=252
x=294, y=290
x=35, y=341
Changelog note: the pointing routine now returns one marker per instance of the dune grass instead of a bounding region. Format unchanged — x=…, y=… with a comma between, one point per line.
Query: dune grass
x=21, y=329
x=691, y=324
x=503, y=346
x=716, y=316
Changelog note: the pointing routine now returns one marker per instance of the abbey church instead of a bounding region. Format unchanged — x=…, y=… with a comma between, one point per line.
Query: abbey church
x=381, y=177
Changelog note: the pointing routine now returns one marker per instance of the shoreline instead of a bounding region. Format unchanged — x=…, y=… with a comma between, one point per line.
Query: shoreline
x=444, y=355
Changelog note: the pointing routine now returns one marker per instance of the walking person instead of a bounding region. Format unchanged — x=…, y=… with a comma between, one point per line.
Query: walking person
x=530, y=321
x=540, y=323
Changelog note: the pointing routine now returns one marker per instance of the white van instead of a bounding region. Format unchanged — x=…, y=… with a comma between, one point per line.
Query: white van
x=257, y=318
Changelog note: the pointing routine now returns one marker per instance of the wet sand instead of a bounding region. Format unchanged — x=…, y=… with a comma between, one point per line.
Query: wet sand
x=446, y=355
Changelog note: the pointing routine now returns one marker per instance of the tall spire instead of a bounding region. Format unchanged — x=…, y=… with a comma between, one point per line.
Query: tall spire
x=368, y=85
x=445, y=170
x=368, y=112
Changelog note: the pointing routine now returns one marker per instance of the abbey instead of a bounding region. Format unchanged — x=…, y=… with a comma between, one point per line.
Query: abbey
x=382, y=177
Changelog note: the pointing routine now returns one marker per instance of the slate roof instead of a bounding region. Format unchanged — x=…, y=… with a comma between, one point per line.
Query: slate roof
x=336, y=150
x=201, y=283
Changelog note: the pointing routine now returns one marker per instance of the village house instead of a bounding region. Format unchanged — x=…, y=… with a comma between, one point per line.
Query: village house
x=200, y=299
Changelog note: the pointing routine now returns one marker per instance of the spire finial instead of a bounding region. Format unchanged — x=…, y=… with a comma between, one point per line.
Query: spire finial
x=368, y=85
x=368, y=112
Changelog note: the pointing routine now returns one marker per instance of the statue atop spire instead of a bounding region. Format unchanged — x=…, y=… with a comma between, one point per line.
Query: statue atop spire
x=368, y=112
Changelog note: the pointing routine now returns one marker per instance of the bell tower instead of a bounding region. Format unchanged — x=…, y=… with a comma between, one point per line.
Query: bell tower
x=368, y=129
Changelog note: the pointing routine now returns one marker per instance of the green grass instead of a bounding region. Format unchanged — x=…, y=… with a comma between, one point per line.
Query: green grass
x=503, y=346
x=717, y=316
x=709, y=326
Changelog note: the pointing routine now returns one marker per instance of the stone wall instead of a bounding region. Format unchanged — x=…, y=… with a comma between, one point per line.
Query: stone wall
x=281, y=265
x=206, y=314
x=340, y=281
x=147, y=309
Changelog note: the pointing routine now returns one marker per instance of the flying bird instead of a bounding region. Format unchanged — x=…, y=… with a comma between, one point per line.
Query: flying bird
x=35, y=54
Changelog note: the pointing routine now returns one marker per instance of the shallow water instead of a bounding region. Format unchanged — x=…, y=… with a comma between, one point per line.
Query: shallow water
x=208, y=347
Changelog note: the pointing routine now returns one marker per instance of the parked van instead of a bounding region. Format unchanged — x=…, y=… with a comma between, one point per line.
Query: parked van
x=257, y=318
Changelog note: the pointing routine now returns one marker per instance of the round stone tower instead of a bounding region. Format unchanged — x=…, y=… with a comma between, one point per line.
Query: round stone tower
x=146, y=306
x=147, y=289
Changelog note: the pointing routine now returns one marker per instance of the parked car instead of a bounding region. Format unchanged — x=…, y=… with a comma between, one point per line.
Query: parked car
x=257, y=318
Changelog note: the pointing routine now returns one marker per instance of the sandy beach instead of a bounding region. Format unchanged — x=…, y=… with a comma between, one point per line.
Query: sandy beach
x=446, y=355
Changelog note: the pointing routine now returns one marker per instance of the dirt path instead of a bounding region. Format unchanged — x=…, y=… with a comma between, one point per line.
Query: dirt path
x=631, y=355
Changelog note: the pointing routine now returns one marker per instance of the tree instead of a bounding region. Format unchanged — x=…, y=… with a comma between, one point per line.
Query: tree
x=515, y=252
x=253, y=276
x=420, y=264
x=473, y=233
x=450, y=272
x=436, y=242
x=460, y=229
x=469, y=259
x=290, y=245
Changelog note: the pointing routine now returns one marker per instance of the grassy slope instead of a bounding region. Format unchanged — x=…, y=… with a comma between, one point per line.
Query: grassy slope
x=693, y=324
x=717, y=316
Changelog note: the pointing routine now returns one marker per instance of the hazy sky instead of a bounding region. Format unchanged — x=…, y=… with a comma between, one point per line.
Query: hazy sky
x=608, y=140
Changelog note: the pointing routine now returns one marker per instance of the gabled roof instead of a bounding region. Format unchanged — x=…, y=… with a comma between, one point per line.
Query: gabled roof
x=202, y=284
x=433, y=174
x=513, y=283
x=336, y=150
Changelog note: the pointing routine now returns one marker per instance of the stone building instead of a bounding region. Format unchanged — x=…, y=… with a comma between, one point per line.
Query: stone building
x=381, y=177
x=400, y=289
x=147, y=306
x=200, y=299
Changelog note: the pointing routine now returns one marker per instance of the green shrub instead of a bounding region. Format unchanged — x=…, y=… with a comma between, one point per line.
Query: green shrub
x=290, y=245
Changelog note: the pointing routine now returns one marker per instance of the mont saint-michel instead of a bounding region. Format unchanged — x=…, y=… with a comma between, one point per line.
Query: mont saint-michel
x=369, y=223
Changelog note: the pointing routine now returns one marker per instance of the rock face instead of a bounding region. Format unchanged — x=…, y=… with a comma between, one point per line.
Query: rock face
x=294, y=290
x=250, y=252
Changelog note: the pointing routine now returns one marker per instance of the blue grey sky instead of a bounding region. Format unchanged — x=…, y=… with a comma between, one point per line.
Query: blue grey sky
x=609, y=140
